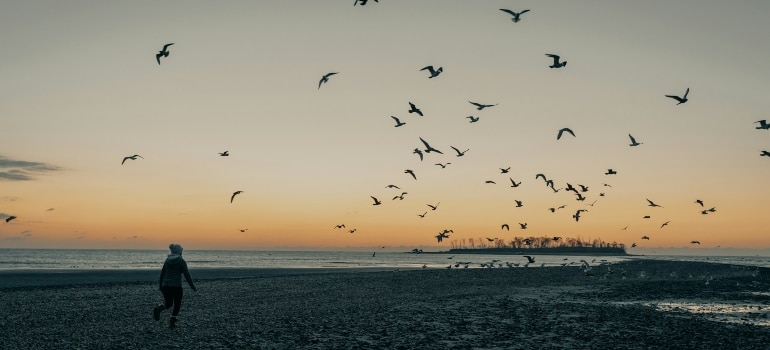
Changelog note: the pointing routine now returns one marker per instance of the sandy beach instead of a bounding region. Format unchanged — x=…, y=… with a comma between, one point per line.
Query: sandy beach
x=639, y=304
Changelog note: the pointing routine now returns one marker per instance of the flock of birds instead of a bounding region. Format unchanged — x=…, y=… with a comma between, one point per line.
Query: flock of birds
x=425, y=148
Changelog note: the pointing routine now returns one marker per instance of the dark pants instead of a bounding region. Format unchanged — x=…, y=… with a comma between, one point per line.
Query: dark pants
x=172, y=297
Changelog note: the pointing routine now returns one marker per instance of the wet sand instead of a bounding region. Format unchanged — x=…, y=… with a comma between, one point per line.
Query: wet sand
x=638, y=304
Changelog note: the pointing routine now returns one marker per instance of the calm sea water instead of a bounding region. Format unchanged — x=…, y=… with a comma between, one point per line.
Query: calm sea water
x=11, y=259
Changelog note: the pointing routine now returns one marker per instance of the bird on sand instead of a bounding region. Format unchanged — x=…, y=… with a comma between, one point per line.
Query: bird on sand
x=633, y=141
x=516, y=15
x=131, y=157
x=762, y=124
x=459, y=154
x=8, y=219
x=682, y=99
x=428, y=148
x=472, y=119
x=556, y=63
x=433, y=72
x=325, y=78
x=563, y=130
x=235, y=194
x=414, y=109
x=418, y=152
x=376, y=201
x=224, y=154
x=398, y=122
x=505, y=226
x=433, y=207
x=610, y=172
x=410, y=172
x=163, y=53
x=481, y=106
x=530, y=259
x=652, y=204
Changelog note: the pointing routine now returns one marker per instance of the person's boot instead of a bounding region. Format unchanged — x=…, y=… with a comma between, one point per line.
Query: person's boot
x=172, y=322
x=156, y=312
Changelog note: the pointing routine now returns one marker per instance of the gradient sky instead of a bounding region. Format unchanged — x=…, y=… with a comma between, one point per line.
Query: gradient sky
x=80, y=89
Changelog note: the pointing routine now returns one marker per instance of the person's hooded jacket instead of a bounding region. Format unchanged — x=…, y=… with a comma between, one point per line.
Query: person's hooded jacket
x=173, y=269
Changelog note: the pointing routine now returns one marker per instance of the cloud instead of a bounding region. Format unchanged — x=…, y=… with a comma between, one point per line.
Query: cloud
x=20, y=170
x=22, y=236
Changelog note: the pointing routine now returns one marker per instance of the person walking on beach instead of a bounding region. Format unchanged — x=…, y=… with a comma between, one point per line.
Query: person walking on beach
x=170, y=284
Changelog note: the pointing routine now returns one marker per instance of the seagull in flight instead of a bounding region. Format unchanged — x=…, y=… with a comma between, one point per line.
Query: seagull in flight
x=490, y=182
x=235, y=194
x=339, y=226
x=523, y=226
x=393, y=186
x=556, y=63
x=8, y=219
x=433, y=72
x=563, y=130
x=762, y=124
x=576, y=216
x=505, y=226
x=325, y=78
x=633, y=141
x=418, y=152
x=162, y=53
x=472, y=119
x=433, y=207
x=401, y=197
x=398, y=122
x=516, y=15
x=410, y=172
x=480, y=106
x=694, y=242
x=652, y=204
x=225, y=154
x=519, y=203
x=362, y=2
x=682, y=99
x=243, y=229
x=513, y=183
x=530, y=259
x=505, y=170
x=414, y=109
x=664, y=224
x=645, y=237
x=428, y=148
x=699, y=202
x=131, y=157
x=443, y=166
x=610, y=172
x=459, y=154
x=423, y=214
x=376, y=201
x=765, y=154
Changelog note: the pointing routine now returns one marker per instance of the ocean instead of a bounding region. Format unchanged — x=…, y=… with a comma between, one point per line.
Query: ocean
x=17, y=259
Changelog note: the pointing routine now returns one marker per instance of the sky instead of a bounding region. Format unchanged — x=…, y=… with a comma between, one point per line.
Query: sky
x=81, y=89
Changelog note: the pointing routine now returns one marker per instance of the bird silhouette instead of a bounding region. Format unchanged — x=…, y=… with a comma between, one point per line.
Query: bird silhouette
x=481, y=106
x=428, y=148
x=393, y=186
x=652, y=204
x=682, y=99
x=563, y=130
x=556, y=63
x=490, y=182
x=243, y=229
x=514, y=183
x=398, y=122
x=505, y=170
x=583, y=188
x=505, y=226
x=762, y=124
x=352, y=230
x=459, y=154
x=423, y=214
x=433, y=72
x=645, y=237
x=131, y=157
x=9, y=218
x=325, y=78
x=646, y=217
x=523, y=225
x=472, y=119
x=414, y=109
x=410, y=172
x=376, y=201
x=362, y=2
x=664, y=224
x=576, y=216
x=530, y=259
x=401, y=197
x=442, y=165
x=699, y=202
x=633, y=141
x=163, y=53
x=339, y=226
x=516, y=15
x=433, y=207
x=418, y=152
x=694, y=242
x=519, y=203
x=633, y=245
x=765, y=154
x=235, y=194
x=610, y=172
x=225, y=154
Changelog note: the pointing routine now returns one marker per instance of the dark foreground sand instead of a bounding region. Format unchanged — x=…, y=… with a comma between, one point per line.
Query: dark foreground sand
x=642, y=304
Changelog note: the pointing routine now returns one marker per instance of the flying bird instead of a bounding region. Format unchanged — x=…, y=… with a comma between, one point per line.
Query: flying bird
x=610, y=172
x=633, y=141
x=694, y=242
x=480, y=106
x=490, y=182
x=472, y=119
x=433, y=72
x=765, y=154
x=645, y=237
x=225, y=154
x=131, y=157
x=433, y=207
x=325, y=78
x=376, y=201
x=418, y=152
x=362, y=2
x=414, y=109
x=423, y=214
x=398, y=122
x=410, y=172
x=505, y=226
x=682, y=99
x=516, y=15
x=563, y=130
x=762, y=124
x=352, y=230
x=523, y=226
x=162, y=53
x=459, y=154
x=393, y=186
x=699, y=202
x=339, y=226
x=664, y=224
x=243, y=229
x=8, y=219
x=442, y=165
x=505, y=170
x=401, y=197
x=652, y=204
x=235, y=194
x=556, y=63
x=519, y=203
x=514, y=183
x=530, y=259
x=428, y=148
x=576, y=216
